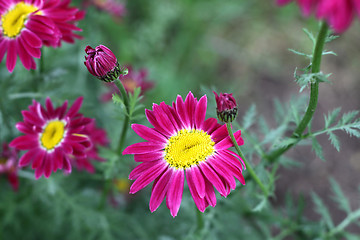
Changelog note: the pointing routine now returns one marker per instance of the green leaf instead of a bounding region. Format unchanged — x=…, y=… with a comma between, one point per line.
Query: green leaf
x=330, y=118
x=261, y=205
x=339, y=196
x=331, y=38
x=285, y=142
x=274, y=134
x=334, y=141
x=264, y=127
x=117, y=100
x=249, y=117
x=352, y=132
x=348, y=117
x=318, y=149
x=329, y=53
x=322, y=210
x=300, y=53
x=310, y=35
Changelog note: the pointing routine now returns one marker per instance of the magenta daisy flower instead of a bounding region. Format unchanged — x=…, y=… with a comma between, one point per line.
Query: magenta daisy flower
x=23, y=27
x=337, y=13
x=8, y=165
x=98, y=137
x=182, y=145
x=52, y=136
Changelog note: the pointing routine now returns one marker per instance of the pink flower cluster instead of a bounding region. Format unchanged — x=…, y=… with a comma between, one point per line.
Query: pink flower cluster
x=337, y=13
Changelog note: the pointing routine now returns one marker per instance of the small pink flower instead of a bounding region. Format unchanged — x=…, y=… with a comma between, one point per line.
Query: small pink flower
x=226, y=107
x=113, y=7
x=8, y=165
x=132, y=80
x=182, y=145
x=52, y=137
x=102, y=63
x=337, y=13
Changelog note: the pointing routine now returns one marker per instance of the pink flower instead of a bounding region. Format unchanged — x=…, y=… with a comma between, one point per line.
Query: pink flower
x=102, y=63
x=52, y=136
x=98, y=137
x=27, y=25
x=337, y=13
x=182, y=145
x=113, y=7
x=226, y=107
x=8, y=165
x=132, y=80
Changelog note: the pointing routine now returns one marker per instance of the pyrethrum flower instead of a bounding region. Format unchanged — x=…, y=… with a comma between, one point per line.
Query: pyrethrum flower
x=113, y=7
x=226, y=107
x=337, y=13
x=52, y=137
x=8, y=165
x=27, y=25
x=182, y=145
x=102, y=63
x=134, y=79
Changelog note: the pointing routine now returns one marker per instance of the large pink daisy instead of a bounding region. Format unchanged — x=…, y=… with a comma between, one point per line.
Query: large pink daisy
x=52, y=137
x=182, y=145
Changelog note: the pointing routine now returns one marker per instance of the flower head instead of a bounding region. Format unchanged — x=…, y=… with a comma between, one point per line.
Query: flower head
x=113, y=7
x=25, y=26
x=182, y=145
x=337, y=13
x=134, y=79
x=226, y=107
x=8, y=165
x=52, y=136
x=102, y=63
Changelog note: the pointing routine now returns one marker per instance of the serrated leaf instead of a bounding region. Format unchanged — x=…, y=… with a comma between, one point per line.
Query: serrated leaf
x=285, y=142
x=310, y=35
x=249, y=117
x=289, y=163
x=264, y=127
x=339, y=196
x=347, y=117
x=322, y=210
x=331, y=38
x=334, y=141
x=274, y=134
x=352, y=132
x=318, y=149
x=300, y=53
x=329, y=53
x=260, y=206
x=279, y=110
x=117, y=100
x=330, y=118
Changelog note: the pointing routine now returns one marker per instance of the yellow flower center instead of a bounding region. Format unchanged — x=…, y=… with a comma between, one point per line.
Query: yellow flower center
x=13, y=21
x=53, y=134
x=188, y=147
x=122, y=185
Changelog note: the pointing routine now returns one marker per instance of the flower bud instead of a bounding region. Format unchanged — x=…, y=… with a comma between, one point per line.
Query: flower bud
x=226, y=107
x=102, y=63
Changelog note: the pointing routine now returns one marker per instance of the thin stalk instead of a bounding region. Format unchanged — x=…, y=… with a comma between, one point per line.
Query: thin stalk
x=314, y=92
x=125, y=127
x=349, y=219
x=199, y=222
x=248, y=166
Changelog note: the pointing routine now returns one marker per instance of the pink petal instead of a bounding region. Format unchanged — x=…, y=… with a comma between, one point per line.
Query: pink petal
x=25, y=142
x=147, y=177
x=38, y=160
x=160, y=189
x=227, y=143
x=212, y=176
x=175, y=191
x=234, y=171
x=148, y=134
x=210, y=194
x=190, y=105
x=200, y=112
x=143, y=147
x=11, y=56
x=27, y=157
x=199, y=202
x=75, y=107
x=198, y=180
x=181, y=112
x=222, y=171
x=31, y=39
x=147, y=157
x=144, y=167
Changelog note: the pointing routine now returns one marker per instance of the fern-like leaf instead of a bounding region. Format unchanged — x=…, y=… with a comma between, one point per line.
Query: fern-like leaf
x=322, y=210
x=339, y=197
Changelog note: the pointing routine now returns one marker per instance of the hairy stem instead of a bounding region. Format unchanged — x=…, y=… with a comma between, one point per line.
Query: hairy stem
x=248, y=166
x=314, y=92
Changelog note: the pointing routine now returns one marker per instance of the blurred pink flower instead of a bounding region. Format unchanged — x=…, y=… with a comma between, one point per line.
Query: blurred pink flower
x=113, y=7
x=337, y=13
x=8, y=165
x=132, y=80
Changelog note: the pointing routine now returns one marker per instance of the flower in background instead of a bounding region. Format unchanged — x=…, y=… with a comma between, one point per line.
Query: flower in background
x=134, y=79
x=28, y=25
x=337, y=13
x=184, y=144
x=102, y=63
x=8, y=165
x=98, y=137
x=226, y=107
x=52, y=136
x=113, y=7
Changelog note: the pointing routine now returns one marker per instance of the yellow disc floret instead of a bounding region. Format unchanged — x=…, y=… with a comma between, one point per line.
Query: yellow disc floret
x=188, y=147
x=53, y=134
x=13, y=21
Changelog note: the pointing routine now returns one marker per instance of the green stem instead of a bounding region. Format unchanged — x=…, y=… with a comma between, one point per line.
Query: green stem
x=248, y=166
x=125, y=127
x=314, y=92
x=199, y=222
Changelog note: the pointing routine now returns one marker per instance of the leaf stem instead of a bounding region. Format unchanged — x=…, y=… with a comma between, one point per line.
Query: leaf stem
x=314, y=92
x=349, y=219
x=248, y=166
